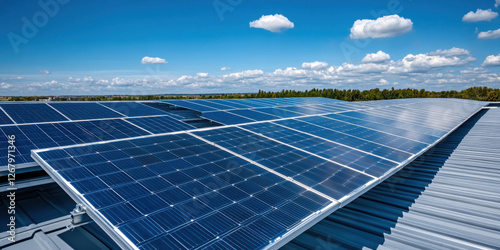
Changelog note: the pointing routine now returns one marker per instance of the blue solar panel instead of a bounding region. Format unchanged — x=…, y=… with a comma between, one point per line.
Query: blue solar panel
x=32, y=113
x=133, y=108
x=303, y=110
x=254, y=115
x=190, y=105
x=368, y=134
x=49, y=135
x=22, y=143
x=84, y=111
x=414, y=135
x=281, y=113
x=329, y=134
x=232, y=103
x=214, y=104
x=341, y=154
x=188, y=202
x=327, y=177
x=160, y=124
x=226, y=118
x=186, y=190
x=4, y=119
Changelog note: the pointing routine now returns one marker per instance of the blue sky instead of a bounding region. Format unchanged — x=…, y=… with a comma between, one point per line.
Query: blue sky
x=96, y=47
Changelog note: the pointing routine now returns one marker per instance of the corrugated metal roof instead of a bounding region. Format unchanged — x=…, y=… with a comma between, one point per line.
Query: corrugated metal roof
x=447, y=198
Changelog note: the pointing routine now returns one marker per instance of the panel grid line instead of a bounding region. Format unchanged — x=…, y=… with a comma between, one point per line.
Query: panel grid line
x=267, y=169
x=9, y=118
x=58, y=112
x=305, y=151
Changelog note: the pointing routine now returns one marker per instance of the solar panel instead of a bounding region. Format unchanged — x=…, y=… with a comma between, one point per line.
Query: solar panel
x=84, y=111
x=190, y=105
x=339, y=153
x=160, y=124
x=157, y=200
x=32, y=113
x=133, y=108
x=329, y=178
x=4, y=119
x=392, y=154
x=243, y=186
x=281, y=113
x=254, y=115
x=386, y=139
x=226, y=118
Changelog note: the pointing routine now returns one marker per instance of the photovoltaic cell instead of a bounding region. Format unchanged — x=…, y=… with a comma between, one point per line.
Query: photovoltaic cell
x=84, y=111
x=254, y=115
x=386, y=139
x=32, y=113
x=367, y=146
x=226, y=118
x=186, y=190
x=160, y=124
x=4, y=119
x=325, y=176
x=133, y=108
x=188, y=202
x=339, y=153
x=190, y=105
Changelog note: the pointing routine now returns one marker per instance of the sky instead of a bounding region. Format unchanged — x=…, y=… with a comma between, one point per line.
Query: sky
x=68, y=47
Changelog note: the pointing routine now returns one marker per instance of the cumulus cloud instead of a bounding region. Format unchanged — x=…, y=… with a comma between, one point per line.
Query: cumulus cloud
x=492, y=60
x=436, y=59
x=490, y=34
x=225, y=68
x=5, y=85
x=378, y=57
x=437, y=69
x=273, y=23
x=44, y=71
x=245, y=74
x=497, y=3
x=386, y=26
x=382, y=82
x=479, y=16
x=314, y=65
x=450, y=52
x=153, y=60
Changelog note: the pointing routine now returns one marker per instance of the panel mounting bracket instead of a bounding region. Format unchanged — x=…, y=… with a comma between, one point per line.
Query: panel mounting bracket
x=79, y=216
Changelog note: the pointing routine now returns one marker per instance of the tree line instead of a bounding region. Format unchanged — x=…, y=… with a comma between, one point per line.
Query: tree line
x=473, y=93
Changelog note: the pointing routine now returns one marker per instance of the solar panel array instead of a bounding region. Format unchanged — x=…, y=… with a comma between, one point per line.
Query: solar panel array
x=253, y=183
x=43, y=125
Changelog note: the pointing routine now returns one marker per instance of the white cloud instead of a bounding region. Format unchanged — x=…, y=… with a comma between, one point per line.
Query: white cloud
x=497, y=3
x=450, y=52
x=5, y=85
x=490, y=34
x=273, y=23
x=426, y=62
x=382, y=82
x=378, y=57
x=153, y=60
x=386, y=26
x=44, y=71
x=492, y=60
x=225, y=68
x=314, y=65
x=479, y=15
x=245, y=74
x=363, y=68
x=201, y=74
